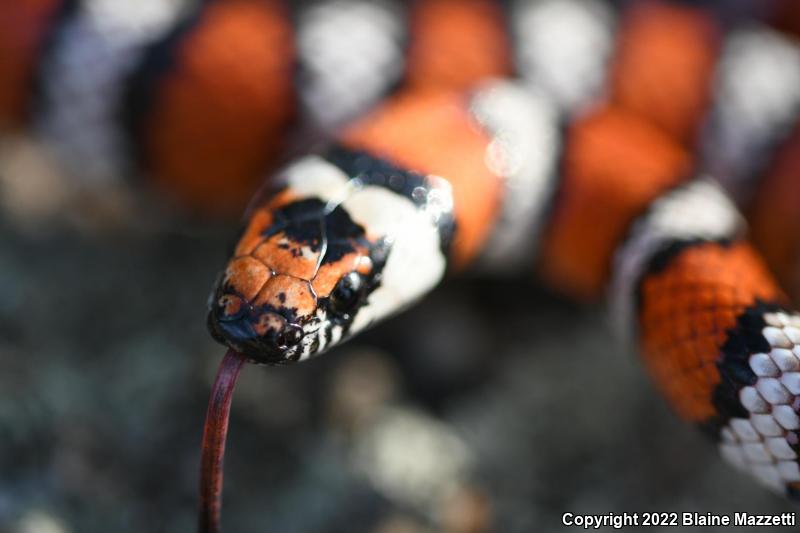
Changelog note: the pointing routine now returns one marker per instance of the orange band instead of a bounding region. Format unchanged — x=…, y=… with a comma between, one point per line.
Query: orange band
x=455, y=43
x=686, y=312
x=431, y=132
x=615, y=165
x=220, y=117
x=665, y=64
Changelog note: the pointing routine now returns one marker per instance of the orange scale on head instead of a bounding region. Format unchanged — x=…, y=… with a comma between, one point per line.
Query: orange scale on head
x=253, y=233
x=285, y=256
x=275, y=199
x=230, y=304
x=329, y=274
x=287, y=292
x=246, y=275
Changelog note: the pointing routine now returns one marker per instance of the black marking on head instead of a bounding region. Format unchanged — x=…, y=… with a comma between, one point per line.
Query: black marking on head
x=354, y=288
x=302, y=223
x=238, y=331
x=372, y=170
x=744, y=339
x=349, y=295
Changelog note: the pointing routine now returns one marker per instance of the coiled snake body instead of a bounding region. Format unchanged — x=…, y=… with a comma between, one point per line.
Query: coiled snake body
x=573, y=135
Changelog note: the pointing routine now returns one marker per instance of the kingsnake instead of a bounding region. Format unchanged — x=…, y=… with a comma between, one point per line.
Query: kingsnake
x=599, y=142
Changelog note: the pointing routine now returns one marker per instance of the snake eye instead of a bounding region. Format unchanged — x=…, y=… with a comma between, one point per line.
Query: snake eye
x=347, y=293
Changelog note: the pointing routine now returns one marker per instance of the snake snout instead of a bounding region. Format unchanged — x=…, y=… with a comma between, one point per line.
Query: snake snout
x=262, y=335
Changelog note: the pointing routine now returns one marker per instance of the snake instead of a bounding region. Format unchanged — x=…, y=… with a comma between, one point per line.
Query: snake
x=641, y=154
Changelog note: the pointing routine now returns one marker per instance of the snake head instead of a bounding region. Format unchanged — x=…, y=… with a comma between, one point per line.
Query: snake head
x=295, y=285
x=323, y=256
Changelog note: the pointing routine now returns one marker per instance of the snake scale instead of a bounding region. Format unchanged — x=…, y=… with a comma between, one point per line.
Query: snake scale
x=608, y=147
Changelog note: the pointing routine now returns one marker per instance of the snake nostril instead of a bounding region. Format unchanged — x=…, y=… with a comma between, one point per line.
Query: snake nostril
x=289, y=336
x=263, y=335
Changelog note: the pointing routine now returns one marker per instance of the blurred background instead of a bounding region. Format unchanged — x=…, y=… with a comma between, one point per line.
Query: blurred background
x=493, y=405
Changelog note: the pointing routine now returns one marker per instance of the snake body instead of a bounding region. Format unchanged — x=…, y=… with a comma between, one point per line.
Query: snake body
x=599, y=146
